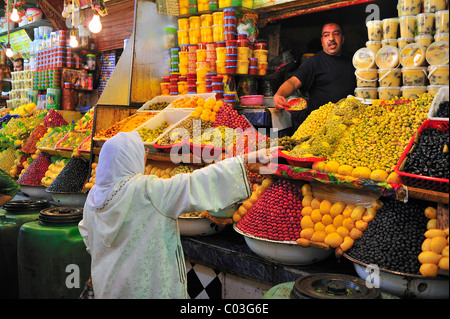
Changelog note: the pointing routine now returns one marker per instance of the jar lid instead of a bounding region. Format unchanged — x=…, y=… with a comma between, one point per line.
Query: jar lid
x=332, y=286
x=364, y=58
x=387, y=57
x=27, y=204
x=437, y=53
x=61, y=215
x=413, y=54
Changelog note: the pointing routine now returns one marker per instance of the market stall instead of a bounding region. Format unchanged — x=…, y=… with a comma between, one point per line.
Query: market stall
x=360, y=188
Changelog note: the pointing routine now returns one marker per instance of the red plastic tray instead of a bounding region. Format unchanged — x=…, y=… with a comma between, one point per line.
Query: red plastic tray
x=205, y=150
x=420, y=181
x=295, y=101
x=300, y=162
x=167, y=148
x=81, y=146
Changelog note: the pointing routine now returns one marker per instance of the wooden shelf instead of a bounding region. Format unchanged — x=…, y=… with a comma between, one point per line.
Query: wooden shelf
x=29, y=26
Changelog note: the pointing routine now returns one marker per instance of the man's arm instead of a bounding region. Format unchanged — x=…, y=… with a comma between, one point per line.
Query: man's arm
x=285, y=90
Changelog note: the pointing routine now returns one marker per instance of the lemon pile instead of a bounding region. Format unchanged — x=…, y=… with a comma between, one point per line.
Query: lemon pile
x=206, y=110
x=23, y=109
x=336, y=225
x=434, y=255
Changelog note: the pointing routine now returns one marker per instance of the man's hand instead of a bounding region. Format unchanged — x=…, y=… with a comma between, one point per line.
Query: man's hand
x=280, y=102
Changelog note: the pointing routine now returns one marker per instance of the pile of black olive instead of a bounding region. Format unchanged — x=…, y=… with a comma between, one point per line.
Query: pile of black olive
x=393, y=239
x=443, y=109
x=72, y=177
x=430, y=154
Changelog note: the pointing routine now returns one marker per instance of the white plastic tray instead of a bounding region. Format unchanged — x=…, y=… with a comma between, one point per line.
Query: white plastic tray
x=172, y=116
x=159, y=98
x=441, y=95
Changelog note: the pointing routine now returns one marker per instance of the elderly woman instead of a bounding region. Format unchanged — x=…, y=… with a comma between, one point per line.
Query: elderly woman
x=130, y=224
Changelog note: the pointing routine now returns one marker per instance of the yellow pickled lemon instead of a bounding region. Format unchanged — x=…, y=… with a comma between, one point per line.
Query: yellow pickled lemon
x=347, y=243
x=348, y=210
x=378, y=175
x=443, y=263
x=430, y=212
x=348, y=223
x=306, y=190
x=306, y=222
x=319, y=226
x=429, y=257
x=307, y=233
x=437, y=244
x=306, y=211
x=355, y=233
x=428, y=270
x=316, y=215
x=330, y=229
x=345, y=170
x=361, y=172
x=315, y=203
x=319, y=166
x=393, y=178
x=444, y=251
x=341, y=230
x=199, y=109
x=327, y=219
x=195, y=114
x=337, y=221
x=204, y=117
x=432, y=224
x=337, y=209
x=331, y=167
x=306, y=201
x=426, y=244
x=333, y=240
x=319, y=236
x=200, y=102
x=303, y=242
x=325, y=206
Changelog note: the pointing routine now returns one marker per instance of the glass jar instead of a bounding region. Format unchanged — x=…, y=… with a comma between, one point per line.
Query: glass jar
x=90, y=61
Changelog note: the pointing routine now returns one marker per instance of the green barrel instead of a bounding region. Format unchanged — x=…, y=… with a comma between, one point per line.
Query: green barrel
x=52, y=258
x=13, y=215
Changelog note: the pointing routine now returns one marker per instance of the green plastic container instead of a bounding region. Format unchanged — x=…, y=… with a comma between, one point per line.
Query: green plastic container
x=13, y=215
x=52, y=259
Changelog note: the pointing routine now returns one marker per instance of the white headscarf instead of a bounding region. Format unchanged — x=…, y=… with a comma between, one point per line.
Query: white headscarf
x=121, y=156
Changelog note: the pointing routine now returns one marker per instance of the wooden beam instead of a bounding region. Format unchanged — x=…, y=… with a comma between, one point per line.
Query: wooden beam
x=53, y=12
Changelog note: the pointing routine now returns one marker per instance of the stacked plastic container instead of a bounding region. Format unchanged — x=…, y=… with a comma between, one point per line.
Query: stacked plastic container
x=21, y=82
x=405, y=55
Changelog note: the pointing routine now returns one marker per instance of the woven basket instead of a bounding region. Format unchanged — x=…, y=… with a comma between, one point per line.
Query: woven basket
x=168, y=7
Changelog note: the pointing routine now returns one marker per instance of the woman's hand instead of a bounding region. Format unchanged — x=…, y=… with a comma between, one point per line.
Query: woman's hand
x=262, y=156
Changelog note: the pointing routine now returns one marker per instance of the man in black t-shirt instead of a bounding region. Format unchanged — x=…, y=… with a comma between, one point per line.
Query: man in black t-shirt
x=328, y=76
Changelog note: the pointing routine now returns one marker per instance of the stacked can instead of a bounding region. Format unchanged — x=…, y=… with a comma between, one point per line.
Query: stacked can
x=203, y=5
x=182, y=85
x=70, y=58
x=243, y=54
x=173, y=86
x=202, y=68
x=192, y=58
x=253, y=66
x=230, y=98
x=211, y=56
x=261, y=53
x=174, y=60
x=220, y=57
x=229, y=25
x=206, y=30
x=213, y=4
x=54, y=76
x=183, y=57
x=194, y=29
x=208, y=80
x=193, y=6
x=184, y=6
x=224, y=3
x=217, y=86
x=191, y=79
x=165, y=90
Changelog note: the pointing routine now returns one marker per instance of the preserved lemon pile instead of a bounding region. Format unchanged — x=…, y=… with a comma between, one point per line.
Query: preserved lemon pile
x=342, y=118
x=382, y=135
x=314, y=122
x=220, y=136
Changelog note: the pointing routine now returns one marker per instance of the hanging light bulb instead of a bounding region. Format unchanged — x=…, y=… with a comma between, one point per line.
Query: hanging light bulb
x=73, y=39
x=95, y=26
x=9, y=52
x=15, y=15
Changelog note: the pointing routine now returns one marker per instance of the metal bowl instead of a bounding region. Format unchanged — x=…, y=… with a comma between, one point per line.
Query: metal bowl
x=69, y=199
x=284, y=252
x=35, y=192
x=401, y=284
x=197, y=226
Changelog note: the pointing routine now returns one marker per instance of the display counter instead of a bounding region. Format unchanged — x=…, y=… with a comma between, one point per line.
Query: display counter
x=227, y=251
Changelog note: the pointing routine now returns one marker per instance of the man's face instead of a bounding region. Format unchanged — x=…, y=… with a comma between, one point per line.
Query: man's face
x=18, y=66
x=332, y=39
